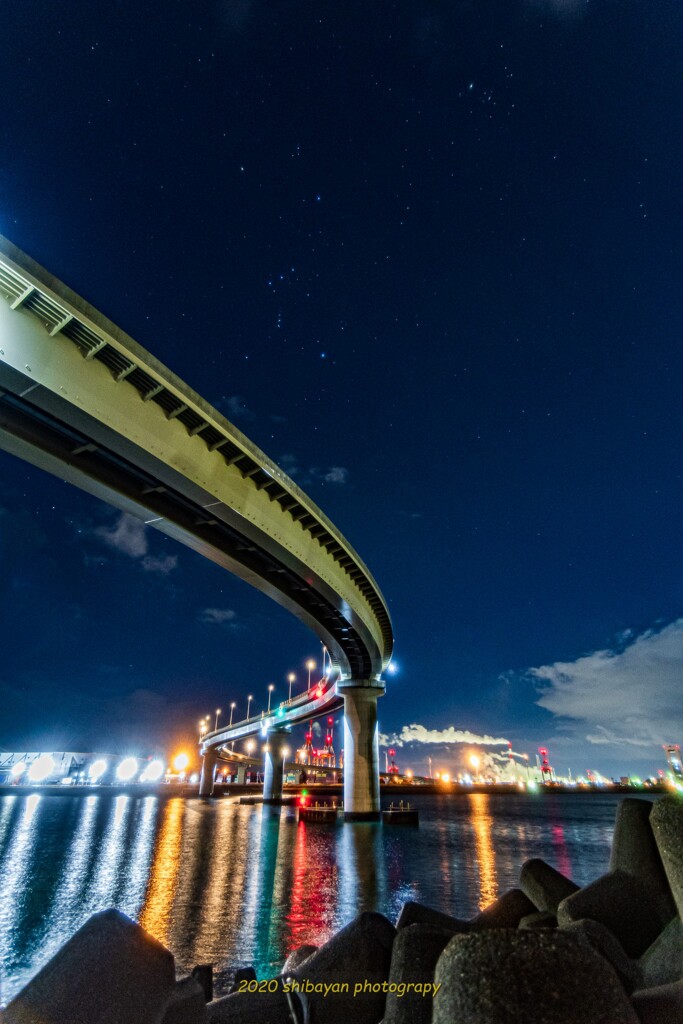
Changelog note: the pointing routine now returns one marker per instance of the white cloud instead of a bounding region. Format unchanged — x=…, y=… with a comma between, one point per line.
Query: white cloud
x=128, y=535
x=289, y=464
x=236, y=408
x=217, y=616
x=314, y=474
x=627, y=695
x=164, y=564
x=336, y=475
x=420, y=734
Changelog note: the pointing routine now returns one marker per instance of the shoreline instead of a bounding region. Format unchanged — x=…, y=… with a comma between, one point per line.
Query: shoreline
x=323, y=790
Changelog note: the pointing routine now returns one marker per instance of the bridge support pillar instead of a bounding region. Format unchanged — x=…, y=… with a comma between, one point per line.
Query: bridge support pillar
x=277, y=740
x=206, y=779
x=361, y=751
x=241, y=775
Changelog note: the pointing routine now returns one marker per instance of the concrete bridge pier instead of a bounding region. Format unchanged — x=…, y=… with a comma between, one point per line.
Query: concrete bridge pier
x=206, y=779
x=241, y=775
x=361, y=750
x=277, y=740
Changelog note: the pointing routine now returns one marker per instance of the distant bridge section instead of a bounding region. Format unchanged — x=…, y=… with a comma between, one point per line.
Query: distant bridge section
x=81, y=399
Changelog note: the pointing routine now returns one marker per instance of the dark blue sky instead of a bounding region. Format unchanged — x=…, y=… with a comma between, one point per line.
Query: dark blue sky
x=428, y=257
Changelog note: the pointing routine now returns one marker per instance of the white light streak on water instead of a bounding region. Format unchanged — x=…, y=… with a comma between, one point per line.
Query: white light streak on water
x=7, y=803
x=67, y=915
x=15, y=865
x=138, y=871
x=109, y=856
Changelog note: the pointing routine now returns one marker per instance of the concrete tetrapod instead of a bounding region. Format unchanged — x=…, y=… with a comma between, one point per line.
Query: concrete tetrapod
x=504, y=976
x=358, y=956
x=662, y=963
x=109, y=972
x=666, y=820
x=545, y=887
x=621, y=902
x=634, y=850
x=416, y=951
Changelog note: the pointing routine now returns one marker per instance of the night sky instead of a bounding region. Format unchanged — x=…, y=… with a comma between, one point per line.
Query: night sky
x=428, y=257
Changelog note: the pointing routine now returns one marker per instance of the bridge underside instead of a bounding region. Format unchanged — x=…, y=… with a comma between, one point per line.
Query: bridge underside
x=30, y=427
x=82, y=400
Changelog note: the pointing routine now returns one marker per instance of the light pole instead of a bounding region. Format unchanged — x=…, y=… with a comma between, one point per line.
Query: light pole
x=218, y=711
x=232, y=708
x=202, y=727
x=271, y=687
x=249, y=700
x=430, y=767
x=290, y=678
x=310, y=665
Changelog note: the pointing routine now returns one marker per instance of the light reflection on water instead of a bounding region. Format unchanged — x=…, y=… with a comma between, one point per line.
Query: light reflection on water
x=233, y=885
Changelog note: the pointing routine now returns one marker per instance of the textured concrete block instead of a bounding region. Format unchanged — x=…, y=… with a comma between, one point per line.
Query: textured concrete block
x=608, y=946
x=505, y=912
x=541, y=919
x=662, y=1005
x=297, y=957
x=416, y=951
x=358, y=954
x=666, y=820
x=251, y=1007
x=545, y=887
x=417, y=913
x=662, y=963
x=634, y=850
x=109, y=972
x=242, y=974
x=187, y=1004
x=506, y=977
x=622, y=903
x=203, y=974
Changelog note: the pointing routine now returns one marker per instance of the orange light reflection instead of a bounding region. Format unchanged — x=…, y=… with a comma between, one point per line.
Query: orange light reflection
x=482, y=823
x=163, y=880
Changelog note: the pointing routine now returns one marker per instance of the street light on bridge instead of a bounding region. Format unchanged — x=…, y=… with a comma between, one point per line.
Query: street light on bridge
x=310, y=665
x=218, y=711
x=232, y=709
x=291, y=678
x=202, y=727
x=249, y=700
x=271, y=687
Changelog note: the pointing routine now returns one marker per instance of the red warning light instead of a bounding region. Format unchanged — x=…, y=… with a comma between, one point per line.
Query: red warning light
x=392, y=753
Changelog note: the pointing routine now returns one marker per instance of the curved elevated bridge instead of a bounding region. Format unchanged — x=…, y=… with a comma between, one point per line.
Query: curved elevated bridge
x=82, y=400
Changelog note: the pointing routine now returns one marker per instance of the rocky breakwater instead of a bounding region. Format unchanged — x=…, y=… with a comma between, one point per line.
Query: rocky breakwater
x=546, y=952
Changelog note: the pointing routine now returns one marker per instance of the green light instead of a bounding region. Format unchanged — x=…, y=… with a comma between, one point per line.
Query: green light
x=304, y=792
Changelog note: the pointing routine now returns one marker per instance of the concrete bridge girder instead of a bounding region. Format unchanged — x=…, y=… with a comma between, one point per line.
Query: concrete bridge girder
x=82, y=400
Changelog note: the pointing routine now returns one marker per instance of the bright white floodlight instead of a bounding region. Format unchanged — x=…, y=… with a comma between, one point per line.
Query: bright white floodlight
x=153, y=772
x=127, y=769
x=17, y=768
x=97, y=769
x=41, y=768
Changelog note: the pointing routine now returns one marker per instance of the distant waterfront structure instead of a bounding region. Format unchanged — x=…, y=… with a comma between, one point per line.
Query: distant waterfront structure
x=673, y=758
x=68, y=767
x=49, y=766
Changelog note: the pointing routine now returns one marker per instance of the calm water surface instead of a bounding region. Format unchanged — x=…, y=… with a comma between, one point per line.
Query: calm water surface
x=237, y=885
